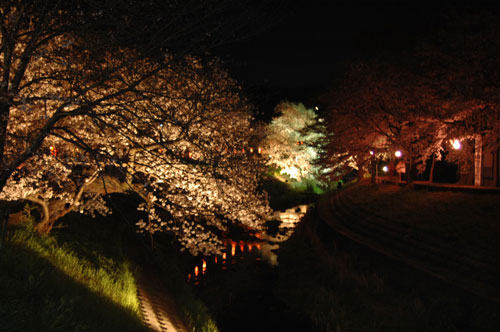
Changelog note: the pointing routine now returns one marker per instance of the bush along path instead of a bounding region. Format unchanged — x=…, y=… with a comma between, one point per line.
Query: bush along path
x=475, y=271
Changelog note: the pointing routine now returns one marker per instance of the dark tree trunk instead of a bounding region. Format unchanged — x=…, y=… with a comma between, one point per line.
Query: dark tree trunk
x=431, y=174
x=4, y=120
x=373, y=170
x=408, y=171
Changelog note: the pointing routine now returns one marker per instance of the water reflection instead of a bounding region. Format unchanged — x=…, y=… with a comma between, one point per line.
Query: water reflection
x=259, y=246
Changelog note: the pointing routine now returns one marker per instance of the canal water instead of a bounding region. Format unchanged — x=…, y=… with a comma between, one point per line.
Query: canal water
x=250, y=246
x=238, y=285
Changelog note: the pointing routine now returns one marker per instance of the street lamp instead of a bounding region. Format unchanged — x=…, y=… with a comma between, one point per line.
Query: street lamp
x=398, y=154
x=456, y=144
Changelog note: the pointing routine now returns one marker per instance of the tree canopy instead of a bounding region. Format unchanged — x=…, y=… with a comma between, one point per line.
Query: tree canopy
x=446, y=89
x=88, y=112
x=293, y=141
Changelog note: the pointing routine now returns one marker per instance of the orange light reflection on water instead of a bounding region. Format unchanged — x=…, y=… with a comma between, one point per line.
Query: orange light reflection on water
x=233, y=248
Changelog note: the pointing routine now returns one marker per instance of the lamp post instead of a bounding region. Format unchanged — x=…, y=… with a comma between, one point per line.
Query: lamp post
x=457, y=145
x=398, y=155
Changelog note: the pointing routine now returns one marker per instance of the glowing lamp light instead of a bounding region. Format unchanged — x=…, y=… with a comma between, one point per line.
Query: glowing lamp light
x=53, y=151
x=371, y=153
x=398, y=153
x=456, y=144
x=292, y=171
x=385, y=169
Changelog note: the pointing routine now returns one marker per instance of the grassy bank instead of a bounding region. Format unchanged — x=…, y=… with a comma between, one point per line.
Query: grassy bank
x=458, y=218
x=343, y=287
x=284, y=195
x=75, y=279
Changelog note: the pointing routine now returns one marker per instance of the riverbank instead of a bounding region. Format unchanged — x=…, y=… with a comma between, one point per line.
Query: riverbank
x=343, y=285
x=67, y=281
x=73, y=279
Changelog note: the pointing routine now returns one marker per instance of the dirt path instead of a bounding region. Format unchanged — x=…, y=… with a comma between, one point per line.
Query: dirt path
x=158, y=309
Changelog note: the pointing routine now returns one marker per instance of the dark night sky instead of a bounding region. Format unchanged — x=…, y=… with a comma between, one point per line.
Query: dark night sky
x=304, y=50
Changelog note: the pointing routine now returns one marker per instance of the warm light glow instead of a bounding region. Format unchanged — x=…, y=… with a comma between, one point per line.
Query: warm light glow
x=456, y=144
x=233, y=248
x=250, y=247
x=292, y=171
x=398, y=154
x=242, y=246
x=385, y=169
x=251, y=150
x=259, y=150
x=196, y=270
x=216, y=260
x=204, y=267
x=53, y=151
x=371, y=153
x=224, y=256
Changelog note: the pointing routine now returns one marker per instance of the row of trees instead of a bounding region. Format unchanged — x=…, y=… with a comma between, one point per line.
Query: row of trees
x=420, y=102
x=121, y=96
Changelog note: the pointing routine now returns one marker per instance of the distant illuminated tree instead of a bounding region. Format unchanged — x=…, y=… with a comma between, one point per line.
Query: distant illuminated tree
x=381, y=108
x=446, y=89
x=294, y=141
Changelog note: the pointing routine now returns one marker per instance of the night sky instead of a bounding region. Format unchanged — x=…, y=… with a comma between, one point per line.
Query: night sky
x=301, y=53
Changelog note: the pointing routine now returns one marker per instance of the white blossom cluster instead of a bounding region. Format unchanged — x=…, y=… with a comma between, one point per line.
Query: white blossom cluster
x=177, y=133
x=293, y=139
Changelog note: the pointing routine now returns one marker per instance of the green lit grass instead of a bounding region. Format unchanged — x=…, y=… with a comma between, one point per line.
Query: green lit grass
x=286, y=195
x=50, y=284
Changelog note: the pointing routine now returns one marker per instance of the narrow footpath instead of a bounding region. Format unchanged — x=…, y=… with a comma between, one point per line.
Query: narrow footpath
x=158, y=308
x=477, y=273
